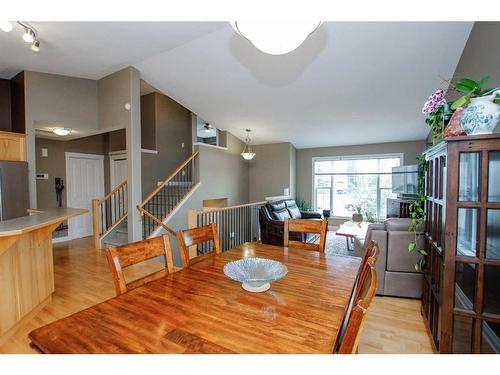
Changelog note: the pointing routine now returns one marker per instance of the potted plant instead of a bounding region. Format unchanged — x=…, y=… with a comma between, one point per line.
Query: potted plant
x=438, y=113
x=357, y=216
x=481, y=106
x=303, y=205
x=477, y=108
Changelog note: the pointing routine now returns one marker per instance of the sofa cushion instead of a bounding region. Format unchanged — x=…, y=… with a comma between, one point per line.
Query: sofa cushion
x=280, y=215
x=399, y=259
x=400, y=224
x=403, y=284
x=276, y=206
x=293, y=210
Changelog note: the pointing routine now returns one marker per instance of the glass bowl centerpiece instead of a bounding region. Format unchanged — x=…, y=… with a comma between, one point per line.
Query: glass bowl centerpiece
x=255, y=274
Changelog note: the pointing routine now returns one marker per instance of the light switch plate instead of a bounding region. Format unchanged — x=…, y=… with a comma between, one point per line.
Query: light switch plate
x=42, y=176
x=45, y=152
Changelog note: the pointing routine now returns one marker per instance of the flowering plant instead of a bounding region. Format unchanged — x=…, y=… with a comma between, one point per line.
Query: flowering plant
x=434, y=102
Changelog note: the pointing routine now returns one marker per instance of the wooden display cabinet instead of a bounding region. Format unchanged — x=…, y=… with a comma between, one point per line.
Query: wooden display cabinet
x=461, y=299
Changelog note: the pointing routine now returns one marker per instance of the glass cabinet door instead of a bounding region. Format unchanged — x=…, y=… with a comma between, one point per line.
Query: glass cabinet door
x=494, y=177
x=468, y=179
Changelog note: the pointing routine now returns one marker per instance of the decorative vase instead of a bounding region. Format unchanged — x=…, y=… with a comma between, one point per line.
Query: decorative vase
x=481, y=116
x=454, y=129
x=326, y=213
x=357, y=218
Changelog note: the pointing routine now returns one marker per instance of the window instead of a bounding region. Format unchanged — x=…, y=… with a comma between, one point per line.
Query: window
x=340, y=182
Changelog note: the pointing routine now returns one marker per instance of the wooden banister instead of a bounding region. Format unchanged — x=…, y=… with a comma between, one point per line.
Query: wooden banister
x=159, y=222
x=109, y=212
x=167, y=179
x=108, y=196
x=232, y=207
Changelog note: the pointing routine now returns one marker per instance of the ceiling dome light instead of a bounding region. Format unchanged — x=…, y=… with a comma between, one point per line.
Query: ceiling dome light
x=275, y=37
x=28, y=36
x=61, y=131
x=6, y=26
x=247, y=153
x=35, y=47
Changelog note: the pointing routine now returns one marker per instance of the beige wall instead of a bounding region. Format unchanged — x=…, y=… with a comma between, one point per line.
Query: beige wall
x=271, y=170
x=410, y=151
x=113, y=94
x=481, y=55
x=66, y=101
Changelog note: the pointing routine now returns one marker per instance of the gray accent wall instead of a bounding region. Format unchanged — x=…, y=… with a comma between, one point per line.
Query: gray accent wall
x=272, y=170
x=55, y=163
x=305, y=157
x=166, y=125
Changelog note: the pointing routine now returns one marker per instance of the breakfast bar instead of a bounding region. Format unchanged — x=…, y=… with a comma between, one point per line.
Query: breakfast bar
x=26, y=265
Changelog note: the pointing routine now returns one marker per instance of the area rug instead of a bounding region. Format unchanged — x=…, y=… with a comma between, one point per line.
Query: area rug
x=337, y=245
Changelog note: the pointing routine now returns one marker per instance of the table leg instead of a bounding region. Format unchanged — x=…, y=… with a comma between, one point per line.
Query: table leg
x=347, y=244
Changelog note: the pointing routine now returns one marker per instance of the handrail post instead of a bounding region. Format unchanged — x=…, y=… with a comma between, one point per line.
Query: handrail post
x=95, y=223
x=192, y=223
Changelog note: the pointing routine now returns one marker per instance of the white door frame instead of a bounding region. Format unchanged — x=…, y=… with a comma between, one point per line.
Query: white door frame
x=112, y=160
x=69, y=155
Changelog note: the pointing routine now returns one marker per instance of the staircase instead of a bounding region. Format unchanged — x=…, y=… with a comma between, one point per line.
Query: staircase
x=110, y=229
x=166, y=199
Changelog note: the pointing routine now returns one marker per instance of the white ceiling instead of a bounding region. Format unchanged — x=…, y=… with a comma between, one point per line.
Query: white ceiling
x=348, y=83
x=94, y=49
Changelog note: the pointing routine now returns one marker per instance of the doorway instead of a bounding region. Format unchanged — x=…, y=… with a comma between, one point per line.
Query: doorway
x=84, y=181
x=117, y=169
x=117, y=175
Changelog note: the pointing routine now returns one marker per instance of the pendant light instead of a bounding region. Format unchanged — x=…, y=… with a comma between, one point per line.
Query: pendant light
x=276, y=37
x=247, y=151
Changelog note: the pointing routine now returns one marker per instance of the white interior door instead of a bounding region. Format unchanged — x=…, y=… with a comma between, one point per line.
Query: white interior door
x=118, y=174
x=118, y=170
x=84, y=181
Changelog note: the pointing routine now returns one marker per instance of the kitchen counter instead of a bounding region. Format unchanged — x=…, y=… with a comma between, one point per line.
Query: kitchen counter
x=27, y=266
x=36, y=220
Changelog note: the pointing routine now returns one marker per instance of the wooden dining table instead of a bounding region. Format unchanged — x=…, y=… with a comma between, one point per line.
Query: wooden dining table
x=200, y=310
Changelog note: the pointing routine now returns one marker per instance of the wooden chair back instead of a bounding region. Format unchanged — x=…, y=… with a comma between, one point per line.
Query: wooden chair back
x=372, y=251
x=357, y=316
x=196, y=236
x=121, y=257
x=306, y=226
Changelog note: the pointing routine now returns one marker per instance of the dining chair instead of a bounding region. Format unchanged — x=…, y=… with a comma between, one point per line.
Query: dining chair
x=306, y=226
x=373, y=251
x=194, y=237
x=121, y=257
x=350, y=336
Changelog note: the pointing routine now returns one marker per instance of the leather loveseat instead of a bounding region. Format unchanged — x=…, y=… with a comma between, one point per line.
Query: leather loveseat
x=271, y=219
x=396, y=272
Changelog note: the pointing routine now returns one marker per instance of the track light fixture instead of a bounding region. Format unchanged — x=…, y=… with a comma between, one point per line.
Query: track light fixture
x=29, y=35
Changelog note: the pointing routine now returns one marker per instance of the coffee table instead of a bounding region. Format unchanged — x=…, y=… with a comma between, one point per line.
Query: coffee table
x=350, y=230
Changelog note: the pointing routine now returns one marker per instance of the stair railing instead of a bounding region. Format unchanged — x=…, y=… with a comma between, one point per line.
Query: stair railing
x=108, y=212
x=167, y=197
x=235, y=224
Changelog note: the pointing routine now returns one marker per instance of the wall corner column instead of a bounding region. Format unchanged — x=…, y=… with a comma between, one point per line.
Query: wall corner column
x=134, y=187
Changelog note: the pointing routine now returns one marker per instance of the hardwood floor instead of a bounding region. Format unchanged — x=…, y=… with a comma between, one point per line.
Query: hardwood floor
x=82, y=279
